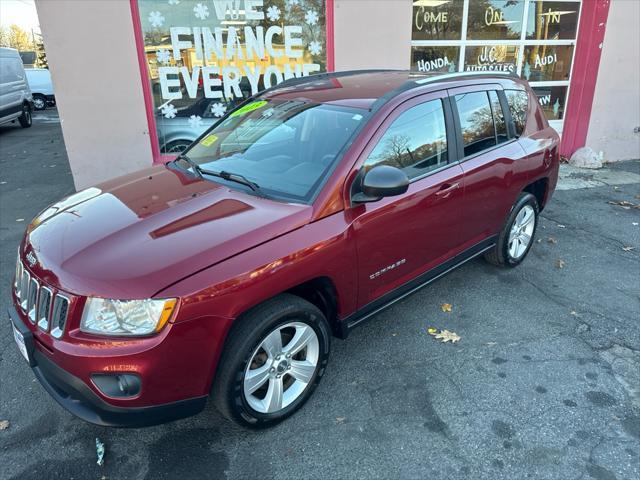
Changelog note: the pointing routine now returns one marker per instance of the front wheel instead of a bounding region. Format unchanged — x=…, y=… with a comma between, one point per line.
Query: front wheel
x=516, y=238
x=273, y=360
x=39, y=102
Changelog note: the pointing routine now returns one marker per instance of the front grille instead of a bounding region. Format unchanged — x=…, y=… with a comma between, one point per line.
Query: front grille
x=44, y=307
x=59, y=317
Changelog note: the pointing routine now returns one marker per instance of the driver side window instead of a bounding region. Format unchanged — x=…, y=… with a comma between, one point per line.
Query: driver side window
x=416, y=142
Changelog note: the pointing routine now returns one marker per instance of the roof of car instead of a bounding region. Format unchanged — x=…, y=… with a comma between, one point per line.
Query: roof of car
x=363, y=88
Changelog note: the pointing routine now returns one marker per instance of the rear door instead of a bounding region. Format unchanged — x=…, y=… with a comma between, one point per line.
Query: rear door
x=400, y=237
x=489, y=155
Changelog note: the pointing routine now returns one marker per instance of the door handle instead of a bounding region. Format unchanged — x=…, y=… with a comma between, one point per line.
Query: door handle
x=446, y=189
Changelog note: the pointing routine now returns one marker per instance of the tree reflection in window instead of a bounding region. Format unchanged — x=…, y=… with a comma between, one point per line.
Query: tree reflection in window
x=416, y=141
x=476, y=122
x=518, y=101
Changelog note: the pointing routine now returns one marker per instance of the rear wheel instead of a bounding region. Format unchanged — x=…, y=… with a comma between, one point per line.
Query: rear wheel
x=516, y=238
x=25, y=119
x=273, y=360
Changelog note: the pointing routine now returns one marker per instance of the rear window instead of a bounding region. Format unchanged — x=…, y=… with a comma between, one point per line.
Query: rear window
x=518, y=101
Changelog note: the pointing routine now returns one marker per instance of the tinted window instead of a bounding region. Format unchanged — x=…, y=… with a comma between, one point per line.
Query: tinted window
x=416, y=141
x=498, y=117
x=476, y=122
x=518, y=101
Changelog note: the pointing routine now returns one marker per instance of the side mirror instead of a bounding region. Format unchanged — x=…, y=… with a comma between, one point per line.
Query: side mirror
x=382, y=181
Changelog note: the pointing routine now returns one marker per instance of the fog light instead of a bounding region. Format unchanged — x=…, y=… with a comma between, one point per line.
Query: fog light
x=120, y=385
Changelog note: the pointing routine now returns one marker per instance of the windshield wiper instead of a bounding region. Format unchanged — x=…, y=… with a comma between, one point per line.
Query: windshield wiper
x=196, y=168
x=233, y=177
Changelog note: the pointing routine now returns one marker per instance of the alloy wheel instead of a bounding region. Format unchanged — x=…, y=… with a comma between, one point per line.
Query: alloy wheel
x=282, y=367
x=521, y=232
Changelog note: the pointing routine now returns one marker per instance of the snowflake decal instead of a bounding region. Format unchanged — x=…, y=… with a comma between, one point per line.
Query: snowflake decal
x=163, y=56
x=174, y=2
x=218, y=109
x=156, y=19
x=311, y=17
x=195, y=121
x=169, y=111
x=273, y=13
x=293, y=3
x=315, y=48
x=201, y=11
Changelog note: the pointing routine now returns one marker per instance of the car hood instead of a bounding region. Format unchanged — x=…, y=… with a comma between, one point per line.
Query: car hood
x=132, y=237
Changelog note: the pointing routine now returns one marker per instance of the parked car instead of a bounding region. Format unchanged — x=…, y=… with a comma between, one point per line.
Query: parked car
x=304, y=212
x=41, y=87
x=16, y=101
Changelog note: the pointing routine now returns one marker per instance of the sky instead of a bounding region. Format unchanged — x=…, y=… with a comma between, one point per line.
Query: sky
x=21, y=12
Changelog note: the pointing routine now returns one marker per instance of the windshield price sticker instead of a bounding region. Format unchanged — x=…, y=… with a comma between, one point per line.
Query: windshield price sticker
x=208, y=140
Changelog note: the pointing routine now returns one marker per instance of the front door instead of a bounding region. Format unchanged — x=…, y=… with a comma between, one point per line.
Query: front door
x=400, y=237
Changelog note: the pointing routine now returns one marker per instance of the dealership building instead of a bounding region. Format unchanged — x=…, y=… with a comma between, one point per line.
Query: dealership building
x=138, y=80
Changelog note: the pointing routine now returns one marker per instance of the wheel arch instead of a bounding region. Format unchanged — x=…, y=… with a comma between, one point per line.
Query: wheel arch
x=539, y=189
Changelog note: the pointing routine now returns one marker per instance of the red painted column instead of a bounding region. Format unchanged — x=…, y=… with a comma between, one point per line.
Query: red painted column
x=593, y=22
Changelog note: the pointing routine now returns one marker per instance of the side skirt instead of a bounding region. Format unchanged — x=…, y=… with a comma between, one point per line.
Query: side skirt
x=349, y=323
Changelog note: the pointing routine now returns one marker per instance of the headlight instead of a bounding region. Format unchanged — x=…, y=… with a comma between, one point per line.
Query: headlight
x=125, y=317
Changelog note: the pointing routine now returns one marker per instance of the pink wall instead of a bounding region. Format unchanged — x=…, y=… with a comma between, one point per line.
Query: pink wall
x=593, y=22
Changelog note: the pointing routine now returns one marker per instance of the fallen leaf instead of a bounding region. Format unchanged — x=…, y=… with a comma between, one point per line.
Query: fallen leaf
x=4, y=424
x=446, y=307
x=432, y=331
x=447, y=336
x=100, y=452
x=574, y=313
x=637, y=197
x=624, y=204
x=552, y=240
x=561, y=226
x=560, y=263
x=628, y=249
x=340, y=420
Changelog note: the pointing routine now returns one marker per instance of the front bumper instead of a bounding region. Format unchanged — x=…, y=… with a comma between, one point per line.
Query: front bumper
x=74, y=394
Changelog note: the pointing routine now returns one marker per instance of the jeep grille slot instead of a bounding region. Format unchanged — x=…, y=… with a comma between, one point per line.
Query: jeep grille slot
x=44, y=308
x=59, y=317
x=32, y=300
x=18, y=280
x=24, y=288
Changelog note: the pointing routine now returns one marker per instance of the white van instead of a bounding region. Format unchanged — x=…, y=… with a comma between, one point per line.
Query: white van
x=41, y=87
x=16, y=101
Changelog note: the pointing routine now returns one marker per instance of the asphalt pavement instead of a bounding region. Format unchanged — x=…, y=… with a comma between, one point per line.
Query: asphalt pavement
x=544, y=383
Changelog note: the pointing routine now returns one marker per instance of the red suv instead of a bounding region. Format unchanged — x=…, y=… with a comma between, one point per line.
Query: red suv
x=300, y=214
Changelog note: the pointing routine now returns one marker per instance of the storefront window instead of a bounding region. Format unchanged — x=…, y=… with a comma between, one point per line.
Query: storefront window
x=205, y=57
x=546, y=62
x=552, y=100
x=495, y=19
x=534, y=39
x=437, y=20
x=552, y=20
x=500, y=58
x=435, y=59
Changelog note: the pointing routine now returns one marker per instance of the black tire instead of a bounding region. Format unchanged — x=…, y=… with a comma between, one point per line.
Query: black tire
x=247, y=333
x=177, y=146
x=499, y=255
x=25, y=119
x=39, y=101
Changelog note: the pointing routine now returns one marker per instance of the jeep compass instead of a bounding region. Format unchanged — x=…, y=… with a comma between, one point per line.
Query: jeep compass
x=304, y=211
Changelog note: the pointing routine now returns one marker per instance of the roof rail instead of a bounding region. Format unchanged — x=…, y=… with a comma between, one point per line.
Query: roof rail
x=437, y=78
x=325, y=75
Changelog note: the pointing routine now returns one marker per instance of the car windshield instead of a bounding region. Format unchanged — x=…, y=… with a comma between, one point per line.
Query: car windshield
x=287, y=147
